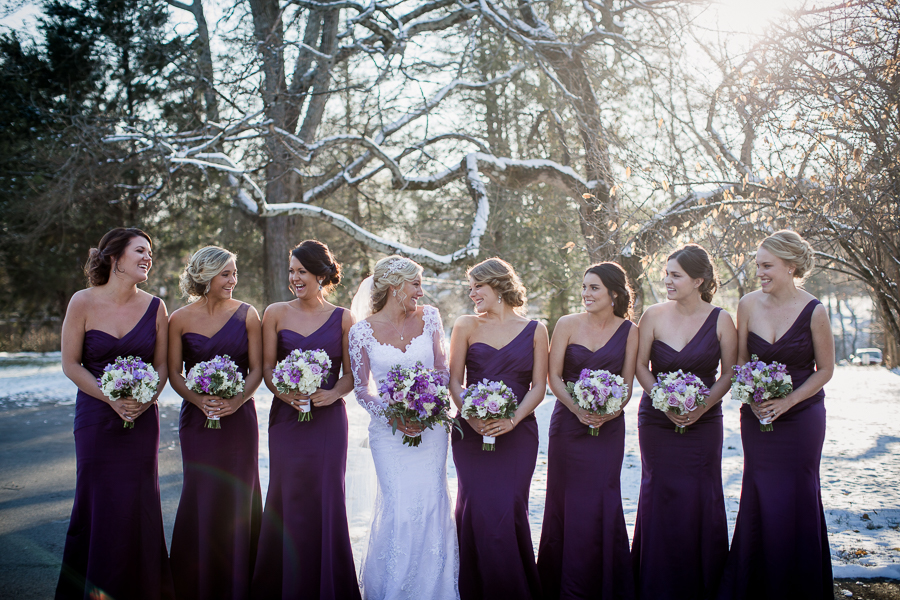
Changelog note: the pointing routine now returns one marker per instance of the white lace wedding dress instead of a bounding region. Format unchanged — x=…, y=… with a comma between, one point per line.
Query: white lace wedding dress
x=413, y=552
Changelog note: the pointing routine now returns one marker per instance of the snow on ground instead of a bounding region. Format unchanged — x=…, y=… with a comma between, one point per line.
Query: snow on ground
x=860, y=463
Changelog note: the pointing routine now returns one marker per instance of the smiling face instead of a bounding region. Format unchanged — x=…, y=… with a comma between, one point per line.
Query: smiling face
x=773, y=272
x=408, y=294
x=482, y=295
x=136, y=260
x=594, y=295
x=679, y=284
x=304, y=284
x=222, y=285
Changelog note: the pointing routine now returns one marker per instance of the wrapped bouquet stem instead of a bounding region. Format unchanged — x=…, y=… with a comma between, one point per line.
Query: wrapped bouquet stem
x=678, y=392
x=129, y=377
x=217, y=377
x=415, y=395
x=755, y=382
x=598, y=392
x=302, y=371
x=489, y=400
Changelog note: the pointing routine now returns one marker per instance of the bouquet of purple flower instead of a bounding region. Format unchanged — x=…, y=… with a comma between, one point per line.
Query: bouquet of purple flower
x=418, y=395
x=489, y=400
x=757, y=382
x=598, y=392
x=129, y=377
x=217, y=377
x=303, y=372
x=678, y=392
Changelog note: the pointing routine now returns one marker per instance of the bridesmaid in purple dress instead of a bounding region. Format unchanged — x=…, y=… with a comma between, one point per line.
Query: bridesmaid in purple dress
x=780, y=545
x=217, y=524
x=496, y=554
x=304, y=546
x=584, y=543
x=115, y=547
x=681, y=532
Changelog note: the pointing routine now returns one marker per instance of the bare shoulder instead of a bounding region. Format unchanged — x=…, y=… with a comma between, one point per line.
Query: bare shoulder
x=80, y=300
x=275, y=309
x=540, y=328
x=724, y=317
x=820, y=316
x=347, y=319
x=466, y=323
x=252, y=314
x=568, y=322
x=750, y=301
x=654, y=312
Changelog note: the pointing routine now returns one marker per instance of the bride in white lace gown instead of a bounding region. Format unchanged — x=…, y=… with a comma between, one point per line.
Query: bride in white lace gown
x=413, y=552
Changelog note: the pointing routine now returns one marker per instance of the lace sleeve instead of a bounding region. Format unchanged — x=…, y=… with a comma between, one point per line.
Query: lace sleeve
x=436, y=326
x=363, y=386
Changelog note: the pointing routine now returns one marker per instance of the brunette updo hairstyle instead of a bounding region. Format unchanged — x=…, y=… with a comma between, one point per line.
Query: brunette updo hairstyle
x=502, y=278
x=696, y=263
x=391, y=272
x=202, y=267
x=792, y=249
x=616, y=283
x=102, y=259
x=318, y=260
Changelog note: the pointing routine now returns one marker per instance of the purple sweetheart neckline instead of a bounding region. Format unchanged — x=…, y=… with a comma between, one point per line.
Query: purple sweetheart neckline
x=694, y=338
x=619, y=328
x=209, y=337
x=312, y=333
x=504, y=345
x=789, y=329
x=127, y=333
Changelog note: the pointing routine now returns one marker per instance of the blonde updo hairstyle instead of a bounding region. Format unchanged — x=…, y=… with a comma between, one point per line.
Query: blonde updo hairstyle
x=792, y=249
x=392, y=272
x=202, y=267
x=502, y=278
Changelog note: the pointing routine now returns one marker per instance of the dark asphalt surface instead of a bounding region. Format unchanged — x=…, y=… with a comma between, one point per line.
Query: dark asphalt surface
x=37, y=488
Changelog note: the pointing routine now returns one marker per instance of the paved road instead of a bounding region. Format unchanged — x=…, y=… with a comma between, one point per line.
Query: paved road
x=37, y=488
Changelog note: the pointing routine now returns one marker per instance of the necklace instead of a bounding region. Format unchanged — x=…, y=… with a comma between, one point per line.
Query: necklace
x=401, y=330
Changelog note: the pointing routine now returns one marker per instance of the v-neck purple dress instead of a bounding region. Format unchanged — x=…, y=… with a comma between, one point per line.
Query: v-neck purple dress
x=304, y=546
x=115, y=543
x=780, y=546
x=584, y=542
x=681, y=532
x=217, y=524
x=496, y=555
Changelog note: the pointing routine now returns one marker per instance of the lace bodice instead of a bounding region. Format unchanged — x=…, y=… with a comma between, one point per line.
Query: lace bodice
x=370, y=360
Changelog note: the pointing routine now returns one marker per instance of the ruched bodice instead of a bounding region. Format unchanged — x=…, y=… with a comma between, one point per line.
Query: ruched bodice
x=794, y=349
x=701, y=355
x=328, y=337
x=611, y=357
x=231, y=339
x=217, y=524
x=100, y=349
x=512, y=364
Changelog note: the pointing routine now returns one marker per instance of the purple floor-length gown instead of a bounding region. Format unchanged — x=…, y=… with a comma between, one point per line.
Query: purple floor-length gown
x=780, y=545
x=304, y=546
x=681, y=532
x=584, y=543
x=217, y=524
x=115, y=542
x=496, y=555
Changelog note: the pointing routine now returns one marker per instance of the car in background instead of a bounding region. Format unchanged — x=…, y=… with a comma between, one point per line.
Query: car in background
x=866, y=356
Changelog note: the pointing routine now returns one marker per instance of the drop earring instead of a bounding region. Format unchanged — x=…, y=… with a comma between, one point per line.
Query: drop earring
x=320, y=286
x=395, y=293
x=207, y=290
x=499, y=300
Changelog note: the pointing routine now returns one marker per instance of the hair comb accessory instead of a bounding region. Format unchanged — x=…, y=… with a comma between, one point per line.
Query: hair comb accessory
x=394, y=266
